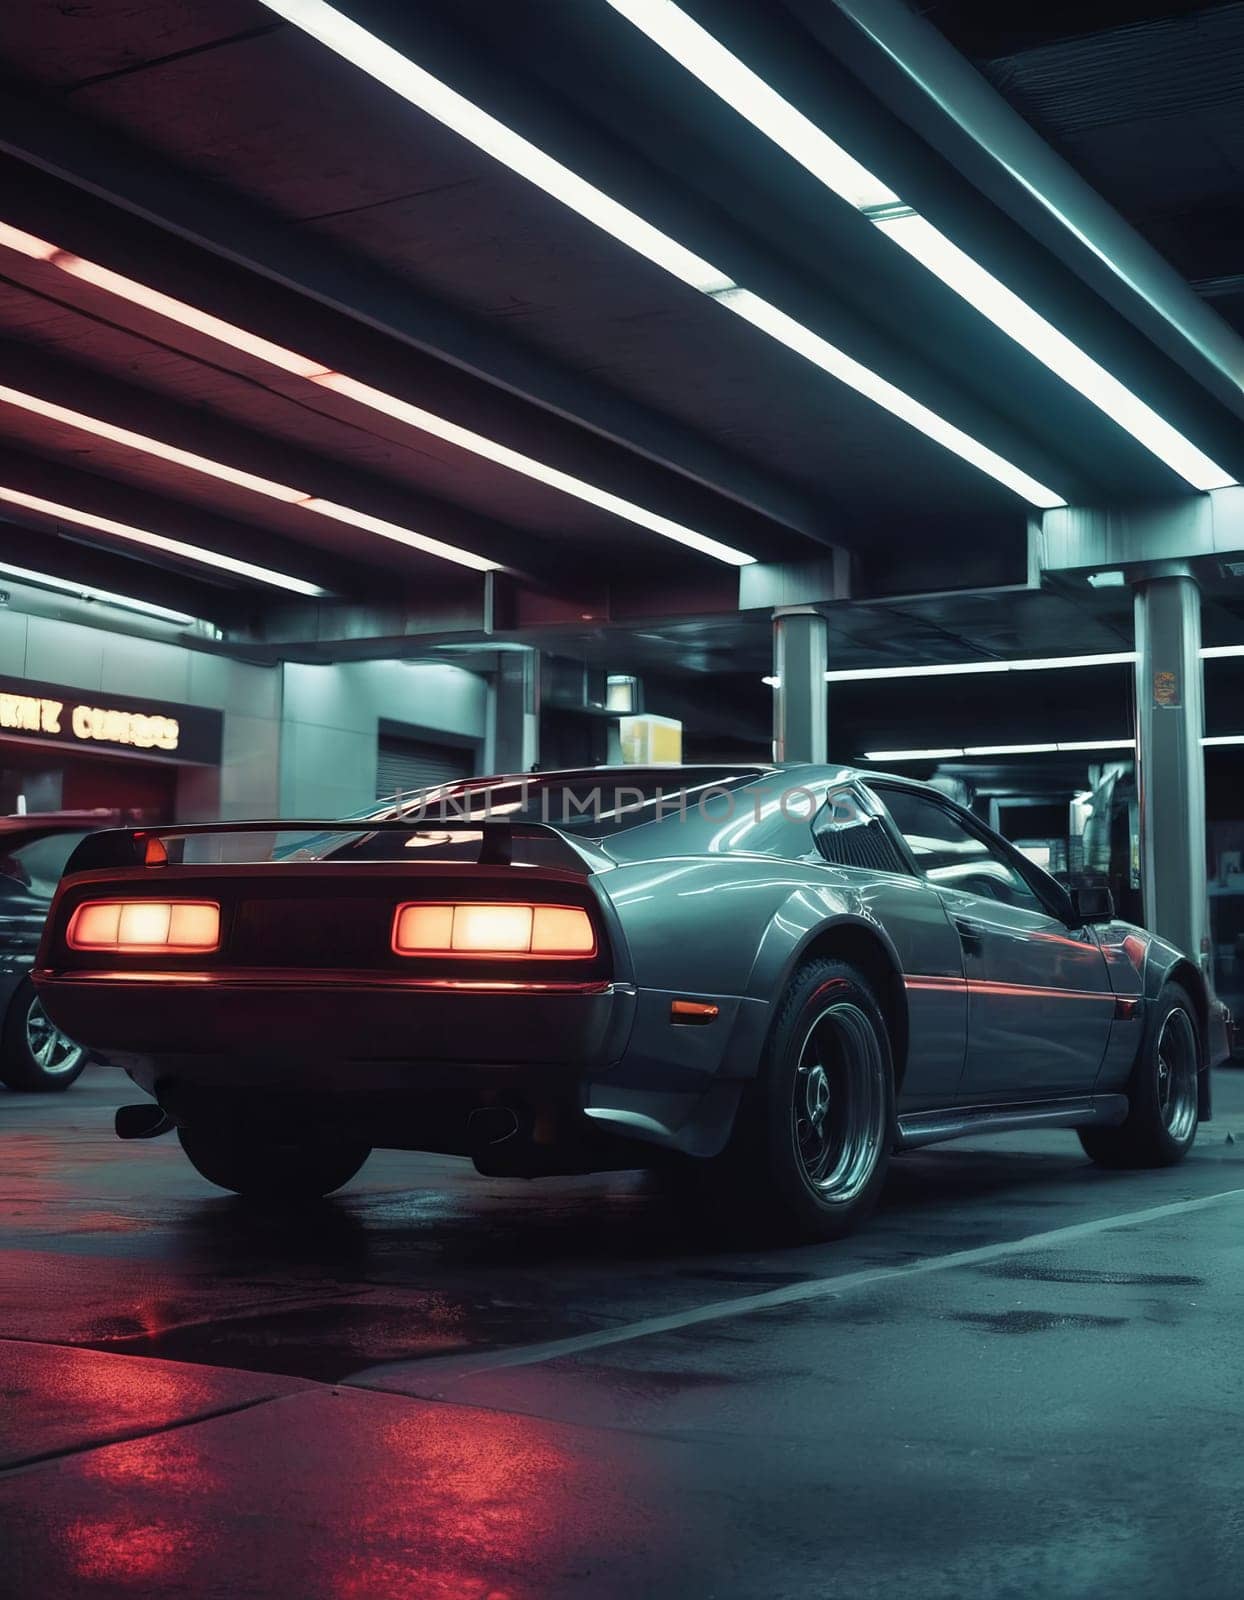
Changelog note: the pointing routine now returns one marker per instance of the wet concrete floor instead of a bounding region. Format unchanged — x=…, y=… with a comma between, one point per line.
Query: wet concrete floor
x=1025, y=1378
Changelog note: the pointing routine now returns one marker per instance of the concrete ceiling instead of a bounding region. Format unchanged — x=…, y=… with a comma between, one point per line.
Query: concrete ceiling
x=221, y=156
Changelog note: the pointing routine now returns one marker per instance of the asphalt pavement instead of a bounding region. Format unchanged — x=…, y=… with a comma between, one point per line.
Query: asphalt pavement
x=1025, y=1378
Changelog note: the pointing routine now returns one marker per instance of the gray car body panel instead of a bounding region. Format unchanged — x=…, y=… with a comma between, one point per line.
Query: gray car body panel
x=1051, y=1039
x=723, y=903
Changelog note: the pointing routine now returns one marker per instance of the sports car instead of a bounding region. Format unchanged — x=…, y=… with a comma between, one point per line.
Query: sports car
x=769, y=978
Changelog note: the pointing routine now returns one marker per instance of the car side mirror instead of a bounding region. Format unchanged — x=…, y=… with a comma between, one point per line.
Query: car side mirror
x=1092, y=902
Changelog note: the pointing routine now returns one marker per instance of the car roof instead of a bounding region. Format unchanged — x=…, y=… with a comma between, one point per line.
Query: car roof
x=748, y=771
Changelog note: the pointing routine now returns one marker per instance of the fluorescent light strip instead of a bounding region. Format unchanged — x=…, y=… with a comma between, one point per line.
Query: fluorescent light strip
x=243, y=480
x=761, y=314
x=758, y=103
x=364, y=394
x=150, y=447
x=1053, y=349
x=1009, y=749
x=158, y=541
x=388, y=66
x=1097, y=744
x=140, y=294
x=722, y=72
x=503, y=456
x=911, y=755
x=1064, y=747
x=949, y=669
x=79, y=591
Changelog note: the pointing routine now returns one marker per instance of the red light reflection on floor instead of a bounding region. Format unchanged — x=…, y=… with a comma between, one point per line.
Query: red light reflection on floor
x=171, y=1489
x=351, y=1495
x=480, y=1504
x=128, y=1549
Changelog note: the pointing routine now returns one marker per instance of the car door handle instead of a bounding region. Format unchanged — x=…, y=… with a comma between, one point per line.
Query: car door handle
x=971, y=936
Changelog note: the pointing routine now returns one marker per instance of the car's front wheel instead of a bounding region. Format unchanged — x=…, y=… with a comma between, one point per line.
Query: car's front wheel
x=260, y=1170
x=34, y=1053
x=813, y=1141
x=1162, y=1094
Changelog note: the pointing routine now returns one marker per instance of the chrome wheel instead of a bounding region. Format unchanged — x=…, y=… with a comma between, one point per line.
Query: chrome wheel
x=53, y=1054
x=1177, y=1075
x=839, y=1110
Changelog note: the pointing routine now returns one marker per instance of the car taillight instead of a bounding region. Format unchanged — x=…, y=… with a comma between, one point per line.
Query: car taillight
x=145, y=927
x=474, y=929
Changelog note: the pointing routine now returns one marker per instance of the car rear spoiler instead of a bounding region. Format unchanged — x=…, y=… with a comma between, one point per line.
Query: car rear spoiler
x=129, y=847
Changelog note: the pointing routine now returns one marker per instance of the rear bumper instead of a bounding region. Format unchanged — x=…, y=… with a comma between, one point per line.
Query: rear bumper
x=403, y=1062
x=272, y=1027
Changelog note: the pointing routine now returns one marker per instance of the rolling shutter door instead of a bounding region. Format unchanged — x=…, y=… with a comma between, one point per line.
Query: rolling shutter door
x=406, y=764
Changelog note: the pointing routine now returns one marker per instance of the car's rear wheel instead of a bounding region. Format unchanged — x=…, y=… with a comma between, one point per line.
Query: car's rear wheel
x=262, y=1170
x=1162, y=1094
x=34, y=1053
x=813, y=1141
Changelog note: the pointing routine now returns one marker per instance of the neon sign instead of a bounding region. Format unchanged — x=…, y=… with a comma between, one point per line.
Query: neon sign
x=49, y=714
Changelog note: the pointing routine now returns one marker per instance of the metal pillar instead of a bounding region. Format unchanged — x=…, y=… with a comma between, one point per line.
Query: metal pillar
x=516, y=711
x=1170, y=724
x=800, y=709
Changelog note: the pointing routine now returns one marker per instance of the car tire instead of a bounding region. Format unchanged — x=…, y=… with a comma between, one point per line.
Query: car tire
x=813, y=1139
x=259, y=1170
x=1162, y=1092
x=34, y=1053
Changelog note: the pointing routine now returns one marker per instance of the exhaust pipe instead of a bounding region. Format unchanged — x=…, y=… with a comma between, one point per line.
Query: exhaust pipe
x=489, y=1125
x=142, y=1122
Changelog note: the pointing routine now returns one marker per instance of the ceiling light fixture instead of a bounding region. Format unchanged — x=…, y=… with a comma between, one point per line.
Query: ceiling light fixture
x=912, y=755
x=1072, y=745
x=417, y=86
x=948, y=669
x=79, y=591
x=151, y=447
x=795, y=336
x=694, y=48
x=275, y=355
x=1009, y=749
x=158, y=541
x=1062, y=747
x=441, y=428
x=242, y=480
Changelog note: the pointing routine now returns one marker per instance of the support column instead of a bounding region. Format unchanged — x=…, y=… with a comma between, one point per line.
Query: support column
x=516, y=711
x=800, y=702
x=1170, y=724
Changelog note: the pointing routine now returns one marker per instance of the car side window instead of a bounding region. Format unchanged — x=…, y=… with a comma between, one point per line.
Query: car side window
x=848, y=835
x=951, y=855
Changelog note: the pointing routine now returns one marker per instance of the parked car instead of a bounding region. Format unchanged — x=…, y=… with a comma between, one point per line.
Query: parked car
x=34, y=1053
x=771, y=977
